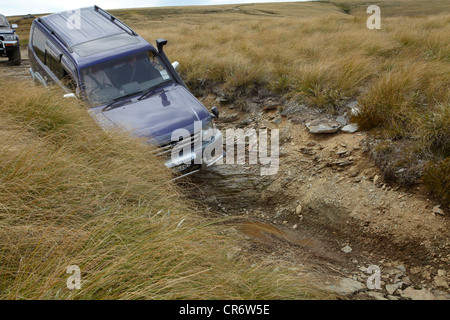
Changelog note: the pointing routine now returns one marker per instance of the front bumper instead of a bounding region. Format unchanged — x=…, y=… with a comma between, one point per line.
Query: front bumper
x=8, y=45
x=196, y=160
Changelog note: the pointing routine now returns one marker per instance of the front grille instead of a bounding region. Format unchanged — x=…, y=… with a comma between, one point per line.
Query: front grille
x=166, y=150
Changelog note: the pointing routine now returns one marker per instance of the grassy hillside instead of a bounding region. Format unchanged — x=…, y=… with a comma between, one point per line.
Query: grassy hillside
x=394, y=8
x=322, y=54
x=72, y=194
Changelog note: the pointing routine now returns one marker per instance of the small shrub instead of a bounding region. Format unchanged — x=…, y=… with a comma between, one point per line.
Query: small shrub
x=436, y=177
x=435, y=130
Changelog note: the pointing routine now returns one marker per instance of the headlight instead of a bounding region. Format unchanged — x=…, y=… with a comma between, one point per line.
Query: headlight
x=209, y=129
x=208, y=126
x=9, y=37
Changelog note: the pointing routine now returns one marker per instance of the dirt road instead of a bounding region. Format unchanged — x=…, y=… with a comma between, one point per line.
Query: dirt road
x=21, y=71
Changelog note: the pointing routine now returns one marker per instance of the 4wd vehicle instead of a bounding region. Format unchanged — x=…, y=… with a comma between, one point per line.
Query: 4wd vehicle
x=9, y=41
x=127, y=82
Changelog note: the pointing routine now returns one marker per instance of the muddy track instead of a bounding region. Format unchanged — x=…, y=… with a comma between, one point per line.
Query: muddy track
x=16, y=72
x=327, y=197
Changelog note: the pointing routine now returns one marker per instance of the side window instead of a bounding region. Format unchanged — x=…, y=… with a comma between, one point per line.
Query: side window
x=47, y=52
x=39, y=40
x=53, y=59
x=68, y=69
x=54, y=65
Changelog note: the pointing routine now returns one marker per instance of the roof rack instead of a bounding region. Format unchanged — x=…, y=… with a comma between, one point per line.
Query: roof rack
x=57, y=36
x=113, y=19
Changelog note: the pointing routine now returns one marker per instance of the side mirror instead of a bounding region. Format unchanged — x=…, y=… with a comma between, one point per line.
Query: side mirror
x=160, y=43
x=14, y=26
x=215, y=112
x=176, y=66
x=70, y=95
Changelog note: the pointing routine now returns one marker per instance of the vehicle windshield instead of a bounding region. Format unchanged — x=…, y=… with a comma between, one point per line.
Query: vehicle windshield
x=3, y=21
x=109, y=81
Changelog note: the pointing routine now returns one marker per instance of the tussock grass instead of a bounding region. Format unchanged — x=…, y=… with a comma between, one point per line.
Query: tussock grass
x=436, y=178
x=323, y=60
x=72, y=194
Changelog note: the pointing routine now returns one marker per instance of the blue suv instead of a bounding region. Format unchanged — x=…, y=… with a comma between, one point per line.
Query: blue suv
x=128, y=83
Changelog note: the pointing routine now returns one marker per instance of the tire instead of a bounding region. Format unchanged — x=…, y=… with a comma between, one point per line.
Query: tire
x=15, y=57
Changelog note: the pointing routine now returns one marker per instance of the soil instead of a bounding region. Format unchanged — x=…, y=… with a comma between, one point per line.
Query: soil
x=327, y=209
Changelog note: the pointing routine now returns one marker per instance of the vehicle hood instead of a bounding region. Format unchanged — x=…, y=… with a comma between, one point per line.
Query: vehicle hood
x=5, y=30
x=156, y=117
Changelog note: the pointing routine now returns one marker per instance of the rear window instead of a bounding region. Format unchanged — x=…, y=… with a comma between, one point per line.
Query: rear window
x=104, y=44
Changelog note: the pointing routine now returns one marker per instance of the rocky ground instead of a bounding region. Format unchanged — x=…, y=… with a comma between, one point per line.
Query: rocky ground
x=327, y=209
x=328, y=206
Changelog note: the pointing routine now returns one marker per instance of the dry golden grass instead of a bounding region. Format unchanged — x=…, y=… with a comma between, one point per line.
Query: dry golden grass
x=394, y=8
x=72, y=194
x=332, y=57
x=436, y=177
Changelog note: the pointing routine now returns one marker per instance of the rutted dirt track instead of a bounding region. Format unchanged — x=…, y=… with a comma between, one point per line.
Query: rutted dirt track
x=327, y=209
x=21, y=71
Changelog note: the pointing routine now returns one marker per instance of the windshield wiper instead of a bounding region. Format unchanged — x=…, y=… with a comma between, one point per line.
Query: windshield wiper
x=153, y=89
x=115, y=102
x=113, y=106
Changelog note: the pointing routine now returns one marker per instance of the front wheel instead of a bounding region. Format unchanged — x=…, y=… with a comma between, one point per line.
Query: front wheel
x=15, y=57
